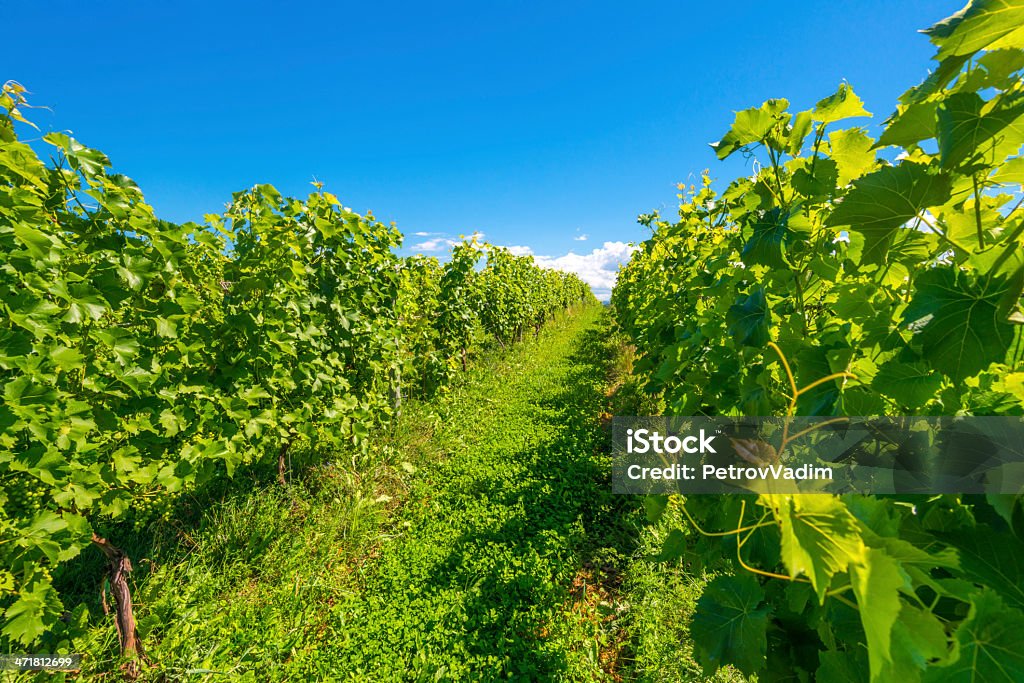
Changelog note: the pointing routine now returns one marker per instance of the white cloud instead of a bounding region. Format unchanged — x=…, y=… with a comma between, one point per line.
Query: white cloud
x=436, y=244
x=581, y=238
x=599, y=268
x=439, y=241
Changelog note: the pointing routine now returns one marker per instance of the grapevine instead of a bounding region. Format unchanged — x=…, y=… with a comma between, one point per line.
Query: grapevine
x=883, y=277
x=140, y=358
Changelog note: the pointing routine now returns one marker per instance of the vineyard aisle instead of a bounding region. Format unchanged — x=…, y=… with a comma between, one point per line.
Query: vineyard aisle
x=500, y=571
x=480, y=542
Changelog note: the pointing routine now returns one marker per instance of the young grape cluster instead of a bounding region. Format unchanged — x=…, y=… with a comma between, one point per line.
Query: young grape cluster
x=25, y=497
x=150, y=508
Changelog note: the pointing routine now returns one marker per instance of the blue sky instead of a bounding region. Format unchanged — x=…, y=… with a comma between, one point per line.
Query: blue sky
x=536, y=123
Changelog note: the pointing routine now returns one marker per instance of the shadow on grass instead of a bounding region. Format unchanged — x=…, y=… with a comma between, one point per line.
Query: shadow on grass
x=164, y=540
x=521, y=607
x=214, y=514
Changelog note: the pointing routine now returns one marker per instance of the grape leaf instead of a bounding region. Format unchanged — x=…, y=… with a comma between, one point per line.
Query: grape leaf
x=752, y=125
x=966, y=125
x=909, y=384
x=981, y=25
x=121, y=343
x=673, y=547
x=802, y=124
x=876, y=583
x=843, y=104
x=820, y=538
x=918, y=641
x=880, y=202
x=910, y=125
x=957, y=321
x=851, y=149
x=989, y=642
x=991, y=559
x=838, y=666
x=749, y=317
x=766, y=245
x=35, y=610
x=730, y=626
x=654, y=507
x=1011, y=172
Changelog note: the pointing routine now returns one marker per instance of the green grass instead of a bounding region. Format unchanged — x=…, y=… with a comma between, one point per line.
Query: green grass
x=478, y=542
x=502, y=535
x=662, y=596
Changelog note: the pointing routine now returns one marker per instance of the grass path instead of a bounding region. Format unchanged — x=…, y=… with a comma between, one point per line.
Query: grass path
x=480, y=542
x=500, y=572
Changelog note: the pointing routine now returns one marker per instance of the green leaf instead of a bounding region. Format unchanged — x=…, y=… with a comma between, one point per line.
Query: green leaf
x=90, y=162
x=859, y=400
x=910, y=125
x=880, y=202
x=852, y=150
x=836, y=666
x=46, y=523
x=35, y=610
x=937, y=80
x=1004, y=504
x=820, y=537
x=843, y=104
x=171, y=423
x=86, y=304
x=253, y=395
x=729, y=626
x=748, y=319
x=165, y=328
x=766, y=245
x=876, y=583
x=1012, y=172
x=654, y=507
x=815, y=178
x=956, y=319
x=36, y=242
x=1001, y=67
x=918, y=641
x=120, y=342
x=14, y=346
x=673, y=547
x=751, y=126
x=991, y=559
x=966, y=127
x=801, y=128
x=981, y=25
x=989, y=641
x=812, y=363
x=67, y=359
x=909, y=384
x=24, y=392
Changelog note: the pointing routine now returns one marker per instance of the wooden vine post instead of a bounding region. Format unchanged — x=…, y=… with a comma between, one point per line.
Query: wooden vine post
x=118, y=569
x=281, y=462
